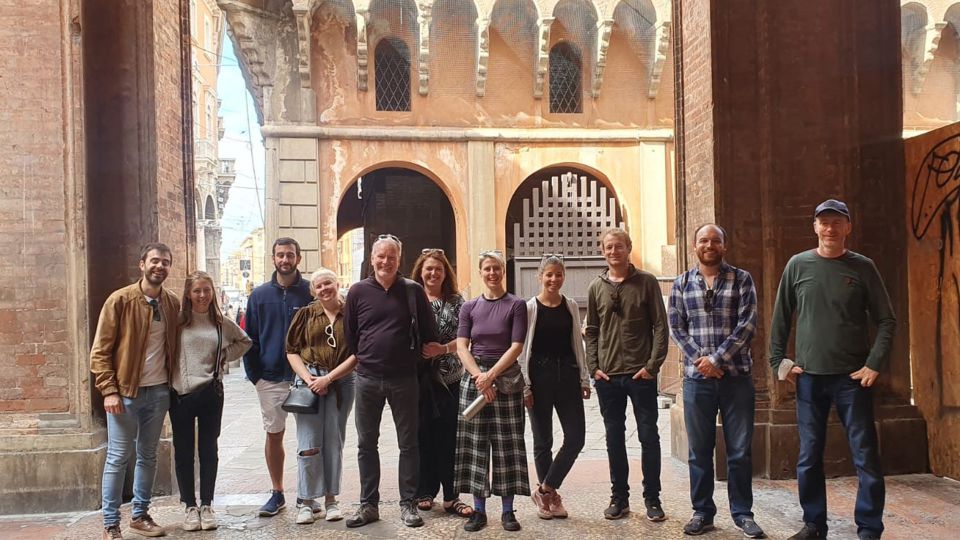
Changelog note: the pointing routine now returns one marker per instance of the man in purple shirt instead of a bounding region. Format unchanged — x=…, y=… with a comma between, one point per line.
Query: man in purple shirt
x=386, y=336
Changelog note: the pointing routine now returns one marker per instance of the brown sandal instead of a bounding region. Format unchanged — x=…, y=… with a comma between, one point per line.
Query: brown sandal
x=424, y=504
x=459, y=508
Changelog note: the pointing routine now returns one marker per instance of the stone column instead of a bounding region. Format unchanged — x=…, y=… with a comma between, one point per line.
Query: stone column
x=481, y=209
x=764, y=134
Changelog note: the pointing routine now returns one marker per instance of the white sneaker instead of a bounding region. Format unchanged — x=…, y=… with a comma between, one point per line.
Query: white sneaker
x=208, y=519
x=191, y=519
x=333, y=511
x=305, y=514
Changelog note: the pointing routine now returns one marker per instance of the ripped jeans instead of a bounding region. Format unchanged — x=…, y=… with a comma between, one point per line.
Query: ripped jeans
x=320, y=472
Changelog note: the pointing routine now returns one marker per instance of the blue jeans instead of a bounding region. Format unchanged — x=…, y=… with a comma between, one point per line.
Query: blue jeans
x=854, y=405
x=613, y=396
x=136, y=428
x=733, y=397
x=319, y=474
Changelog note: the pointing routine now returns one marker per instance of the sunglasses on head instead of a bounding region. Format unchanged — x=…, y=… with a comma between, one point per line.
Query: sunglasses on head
x=388, y=236
x=547, y=256
x=491, y=253
x=431, y=251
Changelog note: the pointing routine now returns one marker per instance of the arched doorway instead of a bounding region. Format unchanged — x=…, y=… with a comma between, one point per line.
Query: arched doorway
x=402, y=202
x=559, y=210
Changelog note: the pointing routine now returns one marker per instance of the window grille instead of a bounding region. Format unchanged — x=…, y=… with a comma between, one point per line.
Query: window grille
x=566, y=92
x=392, y=64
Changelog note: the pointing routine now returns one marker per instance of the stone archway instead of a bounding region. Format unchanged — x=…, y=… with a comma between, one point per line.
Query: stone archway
x=564, y=210
x=402, y=202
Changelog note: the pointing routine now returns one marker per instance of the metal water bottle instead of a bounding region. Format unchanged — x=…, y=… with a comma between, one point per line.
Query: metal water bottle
x=474, y=408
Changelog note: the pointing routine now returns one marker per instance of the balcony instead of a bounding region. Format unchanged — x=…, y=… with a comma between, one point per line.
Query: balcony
x=205, y=155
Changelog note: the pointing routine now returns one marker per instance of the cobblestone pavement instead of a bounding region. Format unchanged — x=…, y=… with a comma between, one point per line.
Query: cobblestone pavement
x=918, y=506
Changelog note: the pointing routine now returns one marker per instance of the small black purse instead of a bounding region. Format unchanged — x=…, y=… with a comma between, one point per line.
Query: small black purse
x=301, y=399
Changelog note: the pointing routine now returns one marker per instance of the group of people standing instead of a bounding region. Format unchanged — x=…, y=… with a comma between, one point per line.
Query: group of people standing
x=416, y=345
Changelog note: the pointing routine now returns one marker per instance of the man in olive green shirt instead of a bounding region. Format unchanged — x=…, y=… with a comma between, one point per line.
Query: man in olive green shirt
x=626, y=338
x=836, y=294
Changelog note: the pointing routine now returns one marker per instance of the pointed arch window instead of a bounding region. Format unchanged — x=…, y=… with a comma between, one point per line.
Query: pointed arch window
x=392, y=77
x=566, y=88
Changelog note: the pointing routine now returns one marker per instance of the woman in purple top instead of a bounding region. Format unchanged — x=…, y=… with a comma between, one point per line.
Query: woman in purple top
x=492, y=330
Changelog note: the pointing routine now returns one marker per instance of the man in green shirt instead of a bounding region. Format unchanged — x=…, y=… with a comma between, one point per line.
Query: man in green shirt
x=626, y=338
x=836, y=294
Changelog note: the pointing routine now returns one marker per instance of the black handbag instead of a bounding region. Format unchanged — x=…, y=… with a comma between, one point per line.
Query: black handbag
x=301, y=399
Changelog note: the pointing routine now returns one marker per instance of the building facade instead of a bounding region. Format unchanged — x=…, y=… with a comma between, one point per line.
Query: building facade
x=465, y=125
x=212, y=177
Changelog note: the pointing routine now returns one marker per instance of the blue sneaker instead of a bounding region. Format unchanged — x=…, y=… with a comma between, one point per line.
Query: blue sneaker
x=274, y=505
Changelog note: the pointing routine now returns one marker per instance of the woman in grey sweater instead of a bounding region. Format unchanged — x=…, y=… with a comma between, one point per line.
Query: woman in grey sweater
x=207, y=340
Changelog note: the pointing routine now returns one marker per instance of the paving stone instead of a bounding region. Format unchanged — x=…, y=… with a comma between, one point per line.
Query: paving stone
x=918, y=506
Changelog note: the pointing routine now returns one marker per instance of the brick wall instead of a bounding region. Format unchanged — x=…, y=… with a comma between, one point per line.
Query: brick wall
x=34, y=343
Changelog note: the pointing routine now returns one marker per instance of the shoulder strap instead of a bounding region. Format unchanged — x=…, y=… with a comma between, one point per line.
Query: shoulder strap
x=216, y=365
x=410, y=289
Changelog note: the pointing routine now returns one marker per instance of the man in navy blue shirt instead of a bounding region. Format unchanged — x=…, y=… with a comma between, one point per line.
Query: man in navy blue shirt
x=379, y=326
x=269, y=311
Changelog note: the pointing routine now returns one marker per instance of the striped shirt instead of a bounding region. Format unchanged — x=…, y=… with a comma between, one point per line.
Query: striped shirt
x=718, y=323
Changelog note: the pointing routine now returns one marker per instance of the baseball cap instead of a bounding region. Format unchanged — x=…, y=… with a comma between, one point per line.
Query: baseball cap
x=832, y=205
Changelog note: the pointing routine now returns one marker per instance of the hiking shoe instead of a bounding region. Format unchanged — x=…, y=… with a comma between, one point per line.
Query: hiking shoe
x=305, y=514
x=273, y=506
x=749, y=527
x=542, y=500
x=698, y=525
x=367, y=513
x=146, y=526
x=868, y=535
x=509, y=521
x=477, y=521
x=191, y=519
x=654, y=510
x=208, y=519
x=618, y=508
x=333, y=511
x=809, y=532
x=409, y=516
x=112, y=532
x=556, y=506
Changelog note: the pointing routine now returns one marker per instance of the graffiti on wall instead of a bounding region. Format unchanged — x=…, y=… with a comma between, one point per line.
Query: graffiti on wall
x=935, y=221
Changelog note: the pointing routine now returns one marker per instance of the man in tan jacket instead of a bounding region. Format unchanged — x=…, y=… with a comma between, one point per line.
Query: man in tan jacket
x=131, y=361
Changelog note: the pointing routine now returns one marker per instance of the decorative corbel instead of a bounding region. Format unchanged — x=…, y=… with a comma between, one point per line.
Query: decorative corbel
x=423, y=58
x=301, y=10
x=931, y=42
x=543, y=55
x=362, y=59
x=661, y=46
x=604, y=29
x=483, y=54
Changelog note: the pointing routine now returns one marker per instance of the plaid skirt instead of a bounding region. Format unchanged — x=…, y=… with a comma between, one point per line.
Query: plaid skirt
x=498, y=427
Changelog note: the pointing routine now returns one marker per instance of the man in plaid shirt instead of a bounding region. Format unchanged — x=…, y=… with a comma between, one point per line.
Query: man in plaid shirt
x=713, y=315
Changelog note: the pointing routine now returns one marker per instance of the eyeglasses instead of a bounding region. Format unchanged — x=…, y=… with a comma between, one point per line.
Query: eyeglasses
x=389, y=236
x=546, y=256
x=156, y=309
x=491, y=253
x=431, y=251
x=615, y=301
x=331, y=341
x=708, y=296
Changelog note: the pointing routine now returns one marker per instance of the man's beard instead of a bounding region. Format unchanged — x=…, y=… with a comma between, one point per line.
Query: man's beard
x=283, y=272
x=153, y=280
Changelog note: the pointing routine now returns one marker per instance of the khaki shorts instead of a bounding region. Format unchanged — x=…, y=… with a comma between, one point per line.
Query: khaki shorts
x=271, y=396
